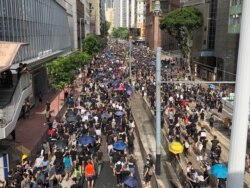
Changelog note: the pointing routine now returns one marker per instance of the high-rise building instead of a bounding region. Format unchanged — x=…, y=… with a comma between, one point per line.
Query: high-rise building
x=97, y=15
x=34, y=32
x=109, y=4
x=141, y=17
x=121, y=13
x=215, y=44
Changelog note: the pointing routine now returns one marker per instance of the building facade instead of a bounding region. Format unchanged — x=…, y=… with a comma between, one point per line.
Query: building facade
x=153, y=33
x=215, y=44
x=97, y=17
x=141, y=17
x=46, y=27
x=121, y=13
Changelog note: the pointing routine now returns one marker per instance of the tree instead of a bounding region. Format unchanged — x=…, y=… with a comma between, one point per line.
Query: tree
x=92, y=44
x=107, y=27
x=120, y=32
x=180, y=24
x=63, y=69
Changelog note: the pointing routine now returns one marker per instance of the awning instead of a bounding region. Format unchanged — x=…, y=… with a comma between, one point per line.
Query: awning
x=8, y=51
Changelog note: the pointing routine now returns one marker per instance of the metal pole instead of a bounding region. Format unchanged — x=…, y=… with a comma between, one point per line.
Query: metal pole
x=237, y=152
x=81, y=34
x=158, y=111
x=130, y=69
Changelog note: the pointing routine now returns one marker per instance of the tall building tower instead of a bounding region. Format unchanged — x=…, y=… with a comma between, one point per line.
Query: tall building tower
x=121, y=13
x=141, y=17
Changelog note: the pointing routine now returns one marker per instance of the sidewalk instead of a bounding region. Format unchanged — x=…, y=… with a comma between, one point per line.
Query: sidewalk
x=31, y=131
x=147, y=136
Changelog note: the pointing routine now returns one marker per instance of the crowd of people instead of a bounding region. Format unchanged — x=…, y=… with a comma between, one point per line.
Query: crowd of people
x=183, y=108
x=98, y=121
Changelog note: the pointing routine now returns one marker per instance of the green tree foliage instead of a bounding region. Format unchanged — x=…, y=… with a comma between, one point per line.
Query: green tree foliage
x=92, y=44
x=180, y=24
x=63, y=69
x=120, y=32
x=107, y=26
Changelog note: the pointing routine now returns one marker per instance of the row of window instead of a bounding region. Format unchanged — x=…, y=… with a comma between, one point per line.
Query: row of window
x=41, y=24
x=235, y=2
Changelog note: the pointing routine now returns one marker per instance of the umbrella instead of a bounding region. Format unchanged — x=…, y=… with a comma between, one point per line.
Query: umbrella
x=131, y=182
x=119, y=145
x=115, y=82
x=105, y=115
x=129, y=92
x=100, y=74
x=71, y=118
x=119, y=113
x=211, y=86
x=121, y=88
x=152, y=63
x=219, y=171
x=85, y=140
x=59, y=144
x=175, y=147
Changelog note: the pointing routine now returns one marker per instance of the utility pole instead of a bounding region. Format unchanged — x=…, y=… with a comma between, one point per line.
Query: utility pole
x=158, y=111
x=237, y=152
x=157, y=11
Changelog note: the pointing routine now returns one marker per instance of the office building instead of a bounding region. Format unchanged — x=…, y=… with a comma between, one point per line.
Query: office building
x=32, y=32
x=121, y=13
x=215, y=44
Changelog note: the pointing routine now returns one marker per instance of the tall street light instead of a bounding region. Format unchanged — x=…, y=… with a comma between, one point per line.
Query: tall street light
x=81, y=33
x=157, y=12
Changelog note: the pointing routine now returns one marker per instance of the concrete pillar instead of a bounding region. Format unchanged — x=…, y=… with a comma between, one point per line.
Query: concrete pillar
x=236, y=165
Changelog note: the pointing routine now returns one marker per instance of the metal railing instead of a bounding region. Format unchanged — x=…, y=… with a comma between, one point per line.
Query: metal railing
x=8, y=111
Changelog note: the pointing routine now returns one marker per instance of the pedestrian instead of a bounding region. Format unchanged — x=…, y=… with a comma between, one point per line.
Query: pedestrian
x=47, y=116
x=47, y=106
x=211, y=122
x=99, y=163
x=248, y=163
x=214, y=142
x=23, y=111
x=131, y=165
x=186, y=147
x=130, y=138
x=117, y=171
x=90, y=173
x=202, y=115
x=220, y=107
x=148, y=173
x=19, y=70
x=40, y=98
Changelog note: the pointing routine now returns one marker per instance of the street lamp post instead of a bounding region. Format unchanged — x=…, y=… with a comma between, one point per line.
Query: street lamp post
x=157, y=11
x=81, y=33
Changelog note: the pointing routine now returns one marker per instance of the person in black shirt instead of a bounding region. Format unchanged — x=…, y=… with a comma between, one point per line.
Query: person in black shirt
x=19, y=70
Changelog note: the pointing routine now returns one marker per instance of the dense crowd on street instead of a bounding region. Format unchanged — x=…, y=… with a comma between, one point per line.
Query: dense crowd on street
x=183, y=108
x=97, y=122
